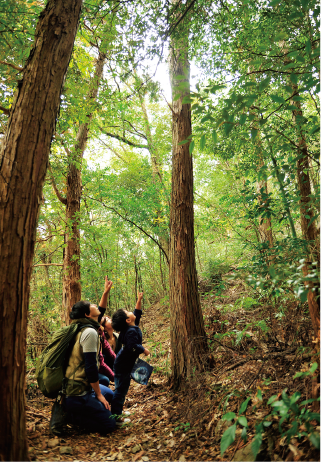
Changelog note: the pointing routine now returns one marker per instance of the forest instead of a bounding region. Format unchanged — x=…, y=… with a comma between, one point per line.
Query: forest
x=172, y=145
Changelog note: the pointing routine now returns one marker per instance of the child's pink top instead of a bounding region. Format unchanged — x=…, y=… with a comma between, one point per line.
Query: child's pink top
x=107, y=351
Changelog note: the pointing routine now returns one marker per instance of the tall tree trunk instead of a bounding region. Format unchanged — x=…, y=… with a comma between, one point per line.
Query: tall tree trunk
x=23, y=164
x=71, y=288
x=71, y=279
x=151, y=146
x=282, y=191
x=188, y=338
x=314, y=173
x=163, y=276
x=162, y=236
x=308, y=224
x=154, y=154
x=309, y=232
x=265, y=223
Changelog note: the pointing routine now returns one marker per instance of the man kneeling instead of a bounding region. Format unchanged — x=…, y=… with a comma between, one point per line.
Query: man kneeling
x=87, y=403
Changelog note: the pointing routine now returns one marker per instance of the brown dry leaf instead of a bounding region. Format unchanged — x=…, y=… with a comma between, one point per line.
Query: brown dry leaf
x=35, y=435
x=44, y=445
x=138, y=455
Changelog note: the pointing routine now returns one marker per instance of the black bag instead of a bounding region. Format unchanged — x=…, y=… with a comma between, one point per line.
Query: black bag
x=141, y=371
x=58, y=417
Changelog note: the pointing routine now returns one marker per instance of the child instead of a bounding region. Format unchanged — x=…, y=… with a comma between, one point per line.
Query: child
x=106, y=359
x=111, y=337
x=131, y=338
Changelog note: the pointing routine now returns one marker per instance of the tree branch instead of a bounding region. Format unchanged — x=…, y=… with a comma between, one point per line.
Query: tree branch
x=48, y=237
x=5, y=110
x=172, y=28
x=113, y=150
x=134, y=224
x=125, y=140
x=60, y=197
x=135, y=130
x=17, y=68
x=296, y=146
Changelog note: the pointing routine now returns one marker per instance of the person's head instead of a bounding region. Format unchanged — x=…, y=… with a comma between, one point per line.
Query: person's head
x=106, y=324
x=121, y=319
x=84, y=309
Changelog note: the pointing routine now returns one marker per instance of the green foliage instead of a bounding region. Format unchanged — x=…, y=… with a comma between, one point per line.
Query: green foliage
x=215, y=270
x=246, y=303
x=229, y=435
x=238, y=335
x=308, y=373
x=270, y=84
x=290, y=415
x=257, y=99
x=183, y=426
x=227, y=438
x=18, y=22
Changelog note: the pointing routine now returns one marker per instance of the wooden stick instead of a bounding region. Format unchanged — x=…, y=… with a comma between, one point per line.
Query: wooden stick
x=32, y=411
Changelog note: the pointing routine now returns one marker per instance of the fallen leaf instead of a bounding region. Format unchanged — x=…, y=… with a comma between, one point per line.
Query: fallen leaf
x=138, y=455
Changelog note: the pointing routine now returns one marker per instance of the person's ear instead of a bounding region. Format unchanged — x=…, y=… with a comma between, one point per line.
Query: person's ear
x=87, y=315
x=128, y=320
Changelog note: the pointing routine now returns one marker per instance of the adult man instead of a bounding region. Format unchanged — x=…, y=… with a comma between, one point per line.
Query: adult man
x=87, y=403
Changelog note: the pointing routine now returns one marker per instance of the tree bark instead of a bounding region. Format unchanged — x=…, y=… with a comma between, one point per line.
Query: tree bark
x=314, y=174
x=23, y=164
x=71, y=279
x=283, y=192
x=265, y=223
x=308, y=224
x=188, y=338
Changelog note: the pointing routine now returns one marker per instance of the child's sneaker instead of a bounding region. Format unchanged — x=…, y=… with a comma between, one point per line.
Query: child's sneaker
x=126, y=413
x=121, y=421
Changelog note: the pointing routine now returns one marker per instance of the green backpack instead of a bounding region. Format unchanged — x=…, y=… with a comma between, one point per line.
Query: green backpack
x=52, y=364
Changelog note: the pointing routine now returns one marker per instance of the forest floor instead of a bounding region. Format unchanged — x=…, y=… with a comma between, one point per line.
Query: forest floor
x=256, y=351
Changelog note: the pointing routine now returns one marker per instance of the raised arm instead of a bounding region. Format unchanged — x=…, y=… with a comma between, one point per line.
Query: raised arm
x=104, y=297
x=139, y=300
x=103, y=301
